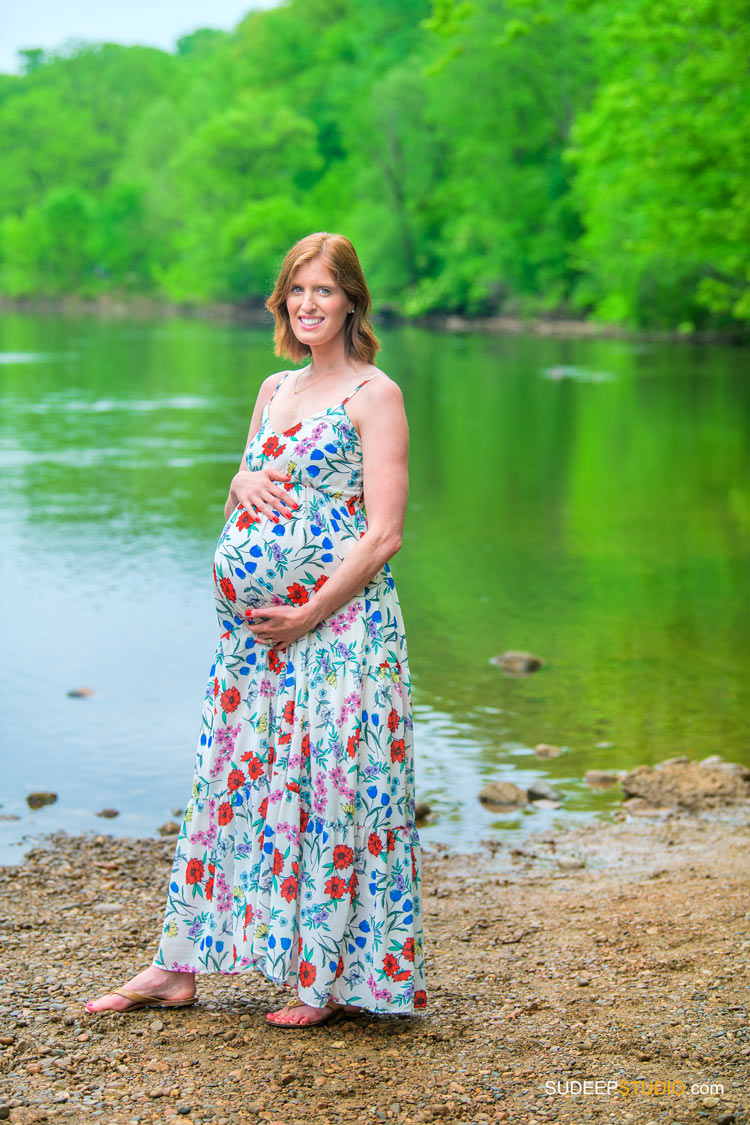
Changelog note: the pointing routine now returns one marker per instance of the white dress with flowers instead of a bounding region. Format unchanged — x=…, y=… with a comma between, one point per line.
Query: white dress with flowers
x=298, y=854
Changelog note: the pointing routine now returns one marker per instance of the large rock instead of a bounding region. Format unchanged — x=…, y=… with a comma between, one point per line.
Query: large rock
x=518, y=663
x=547, y=750
x=600, y=779
x=503, y=794
x=541, y=791
x=680, y=783
x=40, y=797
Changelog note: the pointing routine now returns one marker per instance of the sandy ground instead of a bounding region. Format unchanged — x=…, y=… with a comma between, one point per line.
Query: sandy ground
x=616, y=991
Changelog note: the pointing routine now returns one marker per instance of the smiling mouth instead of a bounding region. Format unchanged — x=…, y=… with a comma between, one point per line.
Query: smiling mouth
x=310, y=321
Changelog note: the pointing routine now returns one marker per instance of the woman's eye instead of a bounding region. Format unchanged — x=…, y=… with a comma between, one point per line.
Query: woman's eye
x=324, y=289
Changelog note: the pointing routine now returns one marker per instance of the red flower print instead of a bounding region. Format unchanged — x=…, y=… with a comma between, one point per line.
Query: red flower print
x=271, y=447
x=294, y=430
x=320, y=583
x=271, y=755
x=278, y=862
x=225, y=812
x=390, y=840
x=298, y=595
x=353, y=884
x=420, y=998
x=339, y=968
x=227, y=590
x=413, y=865
x=352, y=744
x=393, y=721
x=288, y=712
x=212, y=868
x=263, y=808
x=209, y=889
x=398, y=750
x=307, y=973
x=351, y=505
x=343, y=856
x=293, y=786
x=374, y=844
x=235, y=779
x=304, y=820
x=390, y=965
x=275, y=663
x=194, y=872
x=254, y=765
x=283, y=739
x=244, y=519
x=230, y=699
x=305, y=747
x=217, y=689
x=288, y=888
x=408, y=949
x=403, y=975
x=336, y=887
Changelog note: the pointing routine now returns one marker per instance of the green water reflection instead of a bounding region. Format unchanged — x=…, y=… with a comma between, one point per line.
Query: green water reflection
x=587, y=500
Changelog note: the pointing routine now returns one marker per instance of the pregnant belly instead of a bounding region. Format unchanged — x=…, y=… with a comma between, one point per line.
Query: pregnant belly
x=259, y=562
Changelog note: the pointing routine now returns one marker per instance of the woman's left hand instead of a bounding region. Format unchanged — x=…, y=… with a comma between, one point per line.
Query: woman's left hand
x=279, y=625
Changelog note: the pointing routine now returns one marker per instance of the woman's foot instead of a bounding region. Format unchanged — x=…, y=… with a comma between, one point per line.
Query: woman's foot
x=306, y=1015
x=151, y=982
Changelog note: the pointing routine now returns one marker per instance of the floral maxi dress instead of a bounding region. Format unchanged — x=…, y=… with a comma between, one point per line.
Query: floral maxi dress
x=298, y=854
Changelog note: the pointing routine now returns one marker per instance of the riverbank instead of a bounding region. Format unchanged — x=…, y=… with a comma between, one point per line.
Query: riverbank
x=613, y=953
x=256, y=315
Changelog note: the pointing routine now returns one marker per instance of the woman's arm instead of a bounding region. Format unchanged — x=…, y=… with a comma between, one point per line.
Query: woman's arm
x=256, y=489
x=384, y=435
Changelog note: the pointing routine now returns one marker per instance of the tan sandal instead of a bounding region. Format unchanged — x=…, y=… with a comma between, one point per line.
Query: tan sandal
x=339, y=1012
x=141, y=1000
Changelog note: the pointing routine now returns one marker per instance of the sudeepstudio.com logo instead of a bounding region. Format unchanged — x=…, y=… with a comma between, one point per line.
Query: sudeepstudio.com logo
x=629, y=1088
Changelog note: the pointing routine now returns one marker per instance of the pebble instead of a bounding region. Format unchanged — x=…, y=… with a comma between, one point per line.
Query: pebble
x=156, y=1025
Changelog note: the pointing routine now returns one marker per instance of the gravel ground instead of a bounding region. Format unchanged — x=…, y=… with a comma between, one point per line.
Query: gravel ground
x=613, y=954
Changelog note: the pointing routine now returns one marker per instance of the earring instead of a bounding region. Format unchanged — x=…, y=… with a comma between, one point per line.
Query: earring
x=351, y=310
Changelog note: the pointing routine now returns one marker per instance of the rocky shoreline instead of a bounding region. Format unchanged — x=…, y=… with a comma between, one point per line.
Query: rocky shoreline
x=593, y=975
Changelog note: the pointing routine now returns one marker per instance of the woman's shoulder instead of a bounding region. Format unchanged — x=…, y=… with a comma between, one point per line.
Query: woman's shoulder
x=379, y=387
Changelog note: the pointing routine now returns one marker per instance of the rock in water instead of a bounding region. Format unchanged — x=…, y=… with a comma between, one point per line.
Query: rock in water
x=680, y=783
x=547, y=750
x=421, y=810
x=600, y=779
x=168, y=829
x=37, y=799
x=518, y=663
x=108, y=812
x=80, y=693
x=541, y=791
x=503, y=794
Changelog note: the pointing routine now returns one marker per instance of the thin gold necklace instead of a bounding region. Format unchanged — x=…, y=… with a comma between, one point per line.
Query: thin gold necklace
x=296, y=382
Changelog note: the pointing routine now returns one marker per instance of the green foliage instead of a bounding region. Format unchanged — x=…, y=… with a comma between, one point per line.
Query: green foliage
x=662, y=160
x=485, y=156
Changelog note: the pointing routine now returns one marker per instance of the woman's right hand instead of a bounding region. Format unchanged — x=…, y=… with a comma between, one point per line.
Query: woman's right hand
x=258, y=492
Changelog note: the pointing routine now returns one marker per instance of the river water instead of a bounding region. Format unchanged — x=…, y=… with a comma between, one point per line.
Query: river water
x=588, y=500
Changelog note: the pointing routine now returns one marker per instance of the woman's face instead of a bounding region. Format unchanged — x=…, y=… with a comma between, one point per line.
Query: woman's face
x=317, y=305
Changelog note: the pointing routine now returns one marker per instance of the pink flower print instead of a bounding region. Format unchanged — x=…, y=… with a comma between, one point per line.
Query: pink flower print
x=265, y=688
x=223, y=893
x=275, y=796
x=378, y=993
x=289, y=831
x=224, y=738
x=208, y=839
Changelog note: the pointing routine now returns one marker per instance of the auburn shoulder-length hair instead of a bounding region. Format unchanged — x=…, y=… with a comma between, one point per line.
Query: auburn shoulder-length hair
x=341, y=258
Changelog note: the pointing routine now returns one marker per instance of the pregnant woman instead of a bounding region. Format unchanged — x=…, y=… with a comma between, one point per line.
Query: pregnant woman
x=298, y=854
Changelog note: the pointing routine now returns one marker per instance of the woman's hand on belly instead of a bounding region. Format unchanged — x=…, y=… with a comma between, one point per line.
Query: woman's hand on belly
x=257, y=492
x=280, y=624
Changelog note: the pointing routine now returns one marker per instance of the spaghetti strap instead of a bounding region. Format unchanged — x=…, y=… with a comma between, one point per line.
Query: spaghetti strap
x=367, y=380
x=275, y=389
